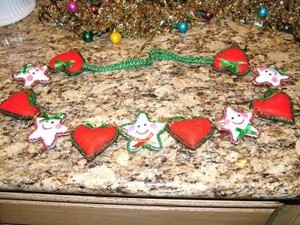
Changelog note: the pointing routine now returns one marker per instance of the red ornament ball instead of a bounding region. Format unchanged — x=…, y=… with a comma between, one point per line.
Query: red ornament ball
x=94, y=9
x=208, y=16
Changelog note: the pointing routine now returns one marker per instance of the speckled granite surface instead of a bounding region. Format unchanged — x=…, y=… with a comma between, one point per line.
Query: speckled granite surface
x=267, y=167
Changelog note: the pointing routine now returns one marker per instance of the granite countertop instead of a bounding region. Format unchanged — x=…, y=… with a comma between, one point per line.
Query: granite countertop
x=263, y=168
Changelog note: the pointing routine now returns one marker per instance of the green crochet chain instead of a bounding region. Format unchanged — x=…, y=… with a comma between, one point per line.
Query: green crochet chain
x=232, y=60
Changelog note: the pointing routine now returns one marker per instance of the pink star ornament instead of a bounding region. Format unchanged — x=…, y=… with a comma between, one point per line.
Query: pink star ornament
x=269, y=76
x=31, y=76
x=48, y=129
x=238, y=124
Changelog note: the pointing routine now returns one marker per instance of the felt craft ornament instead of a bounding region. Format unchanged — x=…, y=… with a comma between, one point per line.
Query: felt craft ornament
x=238, y=124
x=70, y=62
x=21, y=105
x=92, y=141
x=232, y=60
x=191, y=132
x=30, y=76
x=269, y=76
x=275, y=105
x=48, y=129
x=143, y=133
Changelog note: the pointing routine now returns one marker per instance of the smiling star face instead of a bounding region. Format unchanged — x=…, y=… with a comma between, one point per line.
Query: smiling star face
x=235, y=119
x=142, y=127
x=143, y=133
x=32, y=75
x=47, y=125
x=238, y=124
x=269, y=76
x=47, y=131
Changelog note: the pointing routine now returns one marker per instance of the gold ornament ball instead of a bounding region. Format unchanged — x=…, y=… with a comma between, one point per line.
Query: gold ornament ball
x=115, y=37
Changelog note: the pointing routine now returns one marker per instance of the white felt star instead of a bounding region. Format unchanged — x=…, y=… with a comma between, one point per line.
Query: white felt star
x=269, y=76
x=47, y=130
x=143, y=133
x=31, y=76
x=238, y=124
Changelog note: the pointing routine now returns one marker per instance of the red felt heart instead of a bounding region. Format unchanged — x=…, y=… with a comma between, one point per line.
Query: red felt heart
x=92, y=141
x=276, y=107
x=20, y=105
x=70, y=62
x=232, y=55
x=191, y=132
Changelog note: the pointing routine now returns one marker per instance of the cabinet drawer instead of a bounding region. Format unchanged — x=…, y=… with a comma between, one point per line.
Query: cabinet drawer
x=82, y=210
x=35, y=212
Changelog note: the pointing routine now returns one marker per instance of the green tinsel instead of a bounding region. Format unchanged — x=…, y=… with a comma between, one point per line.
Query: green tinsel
x=152, y=17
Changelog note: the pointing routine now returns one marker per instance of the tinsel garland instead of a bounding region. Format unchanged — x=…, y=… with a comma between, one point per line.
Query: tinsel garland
x=152, y=17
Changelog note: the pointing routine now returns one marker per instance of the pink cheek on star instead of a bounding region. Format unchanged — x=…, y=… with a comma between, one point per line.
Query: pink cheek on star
x=274, y=79
x=153, y=126
x=131, y=128
x=227, y=121
x=29, y=78
x=58, y=126
x=245, y=115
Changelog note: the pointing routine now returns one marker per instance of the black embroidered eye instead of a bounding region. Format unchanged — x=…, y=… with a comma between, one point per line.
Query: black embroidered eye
x=239, y=115
x=36, y=70
x=232, y=118
x=270, y=74
x=145, y=124
x=33, y=73
x=52, y=122
x=138, y=126
x=266, y=71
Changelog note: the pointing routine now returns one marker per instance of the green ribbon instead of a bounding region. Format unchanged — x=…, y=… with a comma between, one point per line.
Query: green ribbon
x=89, y=125
x=269, y=93
x=177, y=118
x=24, y=69
x=104, y=124
x=281, y=73
x=231, y=66
x=242, y=132
x=58, y=116
x=32, y=99
x=67, y=64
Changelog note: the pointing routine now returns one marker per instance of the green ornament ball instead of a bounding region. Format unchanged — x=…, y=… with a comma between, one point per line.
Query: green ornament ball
x=87, y=36
x=93, y=2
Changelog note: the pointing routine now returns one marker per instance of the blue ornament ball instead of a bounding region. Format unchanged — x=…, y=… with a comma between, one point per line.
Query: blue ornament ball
x=262, y=12
x=182, y=27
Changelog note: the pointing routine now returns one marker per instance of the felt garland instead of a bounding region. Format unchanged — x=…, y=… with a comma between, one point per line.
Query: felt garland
x=143, y=132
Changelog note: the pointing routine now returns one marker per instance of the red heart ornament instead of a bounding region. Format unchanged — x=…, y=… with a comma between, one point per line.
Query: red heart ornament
x=233, y=60
x=20, y=105
x=191, y=132
x=70, y=62
x=93, y=141
x=276, y=107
